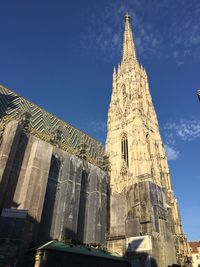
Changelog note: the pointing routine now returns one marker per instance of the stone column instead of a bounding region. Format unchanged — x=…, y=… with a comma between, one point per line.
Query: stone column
x=34, y=177
x=8, y=149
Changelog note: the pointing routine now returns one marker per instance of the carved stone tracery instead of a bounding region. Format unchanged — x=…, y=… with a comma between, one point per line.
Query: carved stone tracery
x=132, y=111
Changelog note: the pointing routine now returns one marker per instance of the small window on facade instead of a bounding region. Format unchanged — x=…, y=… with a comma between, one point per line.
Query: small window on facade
x=124, y=148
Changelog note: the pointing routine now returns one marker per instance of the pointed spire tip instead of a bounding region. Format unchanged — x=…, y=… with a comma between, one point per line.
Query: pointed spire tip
x=127, y=17
x=128, y=44
x=114, y=71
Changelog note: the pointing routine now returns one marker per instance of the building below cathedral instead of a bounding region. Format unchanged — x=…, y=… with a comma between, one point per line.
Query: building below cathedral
x=56, y=182
x=56, y=253
x=195, y=251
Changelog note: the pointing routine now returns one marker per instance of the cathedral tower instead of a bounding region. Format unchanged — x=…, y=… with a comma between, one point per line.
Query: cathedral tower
x=144, y=218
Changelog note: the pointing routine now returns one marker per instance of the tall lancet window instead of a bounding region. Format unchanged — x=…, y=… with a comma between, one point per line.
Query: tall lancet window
x=124, y=148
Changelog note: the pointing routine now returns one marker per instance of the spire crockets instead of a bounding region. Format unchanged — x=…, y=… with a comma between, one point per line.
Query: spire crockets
x=128, y=45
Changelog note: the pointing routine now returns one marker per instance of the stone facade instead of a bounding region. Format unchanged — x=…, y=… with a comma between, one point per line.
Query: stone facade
x=195, y=251
x=53, y=171
x=142, y=202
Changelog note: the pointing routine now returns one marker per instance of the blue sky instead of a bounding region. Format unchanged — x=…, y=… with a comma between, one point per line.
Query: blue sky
x=61, y=54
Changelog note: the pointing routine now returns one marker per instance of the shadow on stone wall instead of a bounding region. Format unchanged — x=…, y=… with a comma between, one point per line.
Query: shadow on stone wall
x=138, y=258
x=10, y=176
x=143, y=259
x=6, y=102
x=17, y=235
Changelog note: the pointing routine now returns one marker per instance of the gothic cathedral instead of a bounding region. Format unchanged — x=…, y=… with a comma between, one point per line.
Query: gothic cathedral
x=144, y=219
x=63, y=193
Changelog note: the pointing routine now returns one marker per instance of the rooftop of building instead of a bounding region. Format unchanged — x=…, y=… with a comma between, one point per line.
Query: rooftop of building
x=44, y=125
x=194, y=245
x=80, y=249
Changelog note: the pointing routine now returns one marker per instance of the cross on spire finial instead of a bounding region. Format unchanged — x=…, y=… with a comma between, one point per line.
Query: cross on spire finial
x=128, y=45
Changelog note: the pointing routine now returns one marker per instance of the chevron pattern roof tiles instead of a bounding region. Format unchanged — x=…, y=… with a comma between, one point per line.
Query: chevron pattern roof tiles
x=44, y=123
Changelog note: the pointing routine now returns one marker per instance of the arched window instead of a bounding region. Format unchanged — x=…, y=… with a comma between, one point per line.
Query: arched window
x=124, y=148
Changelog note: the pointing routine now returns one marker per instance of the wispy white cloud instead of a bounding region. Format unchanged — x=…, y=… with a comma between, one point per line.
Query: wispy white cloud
x=185, y=129
x=171, y=153
x=97, y=126
x=163, y=29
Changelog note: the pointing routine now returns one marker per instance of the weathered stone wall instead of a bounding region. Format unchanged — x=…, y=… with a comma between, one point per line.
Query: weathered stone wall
x=75, y=201
x=149, y=215
x=8, y=148
x=64, y=195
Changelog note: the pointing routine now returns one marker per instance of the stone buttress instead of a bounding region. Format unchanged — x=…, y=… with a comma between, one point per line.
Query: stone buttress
x=50, y=172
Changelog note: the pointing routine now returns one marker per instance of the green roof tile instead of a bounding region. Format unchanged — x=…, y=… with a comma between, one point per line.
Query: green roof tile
x=78, y=249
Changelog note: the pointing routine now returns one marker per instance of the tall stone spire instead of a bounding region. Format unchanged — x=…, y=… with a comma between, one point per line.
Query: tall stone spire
x=128, y=45
x=142, y=203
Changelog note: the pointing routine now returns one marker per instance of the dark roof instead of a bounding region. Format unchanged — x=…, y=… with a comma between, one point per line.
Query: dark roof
x=79, y=249
x=43, y=124
x=194, y=245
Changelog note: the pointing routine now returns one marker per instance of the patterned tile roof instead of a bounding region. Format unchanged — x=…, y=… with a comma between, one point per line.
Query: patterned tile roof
x=194, y=245
x=44, y=125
